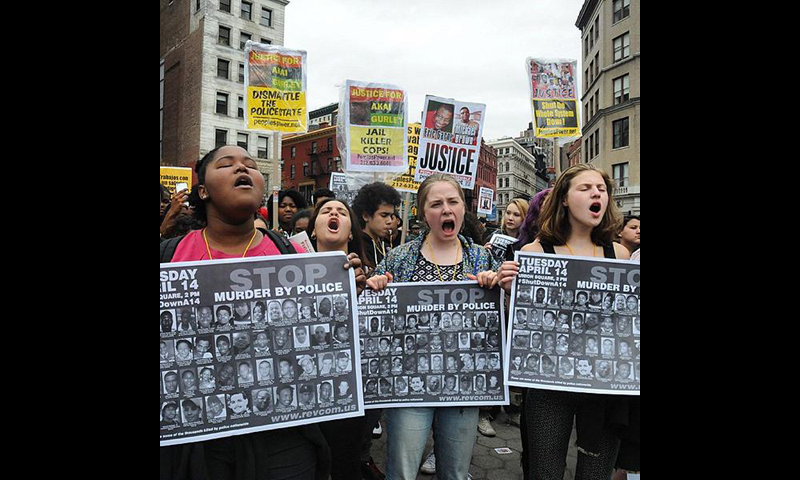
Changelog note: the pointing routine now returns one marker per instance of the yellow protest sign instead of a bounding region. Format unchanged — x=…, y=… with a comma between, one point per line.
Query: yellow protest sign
x=173, y=175
x=274, y=110
x=405, y=182
x=275, y=88
x=554, y=100
x=376, y=146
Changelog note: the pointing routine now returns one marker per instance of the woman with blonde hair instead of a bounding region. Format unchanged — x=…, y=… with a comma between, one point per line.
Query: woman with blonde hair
x=579, y=217
x=515, y=213
x=439, y=254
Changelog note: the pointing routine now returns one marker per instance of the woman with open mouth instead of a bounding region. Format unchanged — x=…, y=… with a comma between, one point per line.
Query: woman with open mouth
x=439, y=254
x=228, y=194
x=579, y=217
x=333, y=227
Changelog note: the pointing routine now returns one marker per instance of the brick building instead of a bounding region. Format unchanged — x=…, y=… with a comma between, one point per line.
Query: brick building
x=202, y=77
x=308, y=160
x=486, y=176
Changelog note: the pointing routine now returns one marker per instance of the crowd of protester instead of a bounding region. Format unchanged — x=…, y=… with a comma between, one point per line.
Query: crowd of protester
x=227, y=216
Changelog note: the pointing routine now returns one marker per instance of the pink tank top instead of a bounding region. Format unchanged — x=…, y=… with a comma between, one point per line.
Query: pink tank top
x=193, y=248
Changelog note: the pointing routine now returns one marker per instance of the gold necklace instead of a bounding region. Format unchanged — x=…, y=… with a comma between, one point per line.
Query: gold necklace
x=245, y=248
x=382, y=249
x=594, y=254
x=433, y=257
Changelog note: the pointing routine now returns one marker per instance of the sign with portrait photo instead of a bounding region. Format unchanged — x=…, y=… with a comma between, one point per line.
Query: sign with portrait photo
x=574, y=324
x=500, y=244
x=485, y=200
x=257, y=344
x=451, y=140
x=275, y=88
x=432, y=344
x=554, y=97
x=373, y=124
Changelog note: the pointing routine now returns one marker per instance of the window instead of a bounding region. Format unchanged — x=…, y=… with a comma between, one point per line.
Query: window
x=622, y=9
x=220, y=138
x=586, y=46
x=597, y=142
x=247, y=10
x=241, y=140
x=222, y=68
x=266, y=40
x=586, y=78
x=588, y=147
x=507, y=166
x=591, y=106
x=243, y=38
x=313, y=147
x=263, y=144
x=622, y=89
x=621, y=132
x=330, y=164
x=591, y=37
x=305, y=169
x=222, y=103
x=596, y=64
x=330, y=144
x=225, y=6
x=620, y=174
x=622, y=47
x=291, y=172
x=266, y=17
x=196, y=6
x=294, y=151
x=597, y=27
x=240, y=107
x=224, y=36
x=591, y=71
x=597, y=101
x=241, y=73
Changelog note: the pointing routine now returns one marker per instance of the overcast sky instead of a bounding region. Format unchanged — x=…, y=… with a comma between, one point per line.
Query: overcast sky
x=469, y=50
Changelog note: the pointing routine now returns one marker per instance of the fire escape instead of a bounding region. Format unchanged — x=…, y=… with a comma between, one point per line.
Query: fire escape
x=318, y=159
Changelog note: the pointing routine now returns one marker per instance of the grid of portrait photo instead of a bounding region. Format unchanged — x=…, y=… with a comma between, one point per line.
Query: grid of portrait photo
x=429, y=355
x=250, y=359
x=581, y=335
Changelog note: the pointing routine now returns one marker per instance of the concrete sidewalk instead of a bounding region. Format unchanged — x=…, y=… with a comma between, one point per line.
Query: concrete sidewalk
x=486, y=463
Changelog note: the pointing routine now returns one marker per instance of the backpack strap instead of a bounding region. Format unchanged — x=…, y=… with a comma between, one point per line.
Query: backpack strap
x=168, y=248
x=283, y=244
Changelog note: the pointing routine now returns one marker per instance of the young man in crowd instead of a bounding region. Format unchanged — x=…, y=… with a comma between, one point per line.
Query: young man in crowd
x=375, y=207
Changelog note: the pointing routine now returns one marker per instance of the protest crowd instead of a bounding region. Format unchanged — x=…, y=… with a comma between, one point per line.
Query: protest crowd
x=225, y=216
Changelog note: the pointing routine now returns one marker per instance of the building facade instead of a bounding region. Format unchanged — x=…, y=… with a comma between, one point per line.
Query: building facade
x=308, y=160
x=486, y=176
x=610, y=33
x=542, y=150
x=202, y=78
x=516, y=173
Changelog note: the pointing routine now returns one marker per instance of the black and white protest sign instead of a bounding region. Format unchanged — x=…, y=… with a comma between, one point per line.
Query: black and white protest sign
x=432, y=344
x=575, y=324
x=257, y=344
x=338, y=185
x=500, y=244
